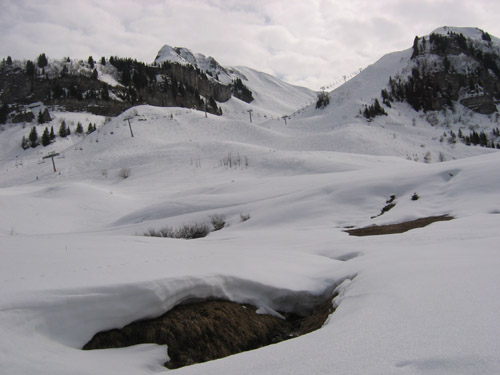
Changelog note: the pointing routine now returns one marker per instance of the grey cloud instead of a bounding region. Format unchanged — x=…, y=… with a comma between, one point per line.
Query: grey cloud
x=311, y=43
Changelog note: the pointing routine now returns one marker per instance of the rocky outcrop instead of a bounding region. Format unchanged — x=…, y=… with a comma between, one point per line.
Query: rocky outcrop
x=449, y=69
x=197, y=80
x=23, y=117
x=167, y=85
x=483, y=104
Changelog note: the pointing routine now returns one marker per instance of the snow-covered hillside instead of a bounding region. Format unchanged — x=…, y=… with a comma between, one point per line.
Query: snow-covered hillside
x=274, y=97
x=418, y=135
x=74, y=260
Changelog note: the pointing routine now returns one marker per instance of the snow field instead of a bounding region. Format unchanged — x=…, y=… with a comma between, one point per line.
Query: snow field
x=73, y=261
x=61, y=287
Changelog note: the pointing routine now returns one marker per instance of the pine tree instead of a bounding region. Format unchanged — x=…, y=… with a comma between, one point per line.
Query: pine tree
x=322, y=100
x=212, y=103
x=42, y=61
x=104, y=94
x=94, y=74
x=45, y=137
x=486, y=37
x=40, y=119
x=57, y=91
x=33, y=137
x=415, y=48
x=126, y=76
x=386, y=98
x=90, y=128
x=79, y=128
x=9, y=60
x=4, y=112
x=63, y=130
x=483, y=139
x=103, y=60
x=91, y=62
x=52, y=135
x=374, y=110
x=24, y=143
x=30, y=68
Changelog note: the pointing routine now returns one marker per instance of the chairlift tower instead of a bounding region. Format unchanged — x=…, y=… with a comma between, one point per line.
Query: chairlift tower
x=250, y=113
x=52, y=155
x=130, y=126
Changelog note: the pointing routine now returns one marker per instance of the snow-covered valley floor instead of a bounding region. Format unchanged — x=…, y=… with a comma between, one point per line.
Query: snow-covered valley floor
x=73, y=261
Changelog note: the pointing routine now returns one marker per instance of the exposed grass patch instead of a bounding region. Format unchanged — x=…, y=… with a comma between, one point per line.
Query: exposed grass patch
x=207, y=330
x=375, y=230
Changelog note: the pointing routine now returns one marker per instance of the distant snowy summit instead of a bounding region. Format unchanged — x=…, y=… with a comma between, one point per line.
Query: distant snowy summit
x=207, y=65
x=467, y=32
x=450, y=69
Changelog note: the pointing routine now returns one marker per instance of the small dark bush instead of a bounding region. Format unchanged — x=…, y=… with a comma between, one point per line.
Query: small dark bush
x=391, y=199
x=218, y=221
x=388, y=207
x=415, y=197
x=244, y=217
x=323, y=100
x=374, y=110
x=124, y=173
x=192, y=231
x=186, y=231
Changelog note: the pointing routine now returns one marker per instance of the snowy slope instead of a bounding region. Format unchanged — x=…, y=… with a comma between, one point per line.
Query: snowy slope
x=404, y=132
x=273, y=98
x=74, y=262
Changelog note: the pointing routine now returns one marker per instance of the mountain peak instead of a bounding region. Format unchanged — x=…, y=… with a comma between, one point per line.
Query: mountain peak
x=170, y=54
x=185, y=56
x=467, y=32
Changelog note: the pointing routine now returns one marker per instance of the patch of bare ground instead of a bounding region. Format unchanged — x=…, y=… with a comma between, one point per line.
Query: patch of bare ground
x=207, y=330
x=376, y=230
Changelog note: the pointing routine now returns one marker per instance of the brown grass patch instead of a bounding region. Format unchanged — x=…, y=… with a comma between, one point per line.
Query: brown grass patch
x=376, y=230
x=212, y=329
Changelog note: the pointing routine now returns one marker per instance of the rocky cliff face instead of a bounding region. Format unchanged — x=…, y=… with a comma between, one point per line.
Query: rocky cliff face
x=125, y=84
x=73, y=92
x=447, y=68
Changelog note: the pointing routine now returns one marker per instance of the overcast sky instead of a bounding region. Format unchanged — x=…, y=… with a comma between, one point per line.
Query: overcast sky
x=306, y=42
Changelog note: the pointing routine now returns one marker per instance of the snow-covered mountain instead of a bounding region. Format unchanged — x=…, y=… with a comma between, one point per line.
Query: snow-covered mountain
x=418, y=134
x=109, y=87
x=289, y=183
